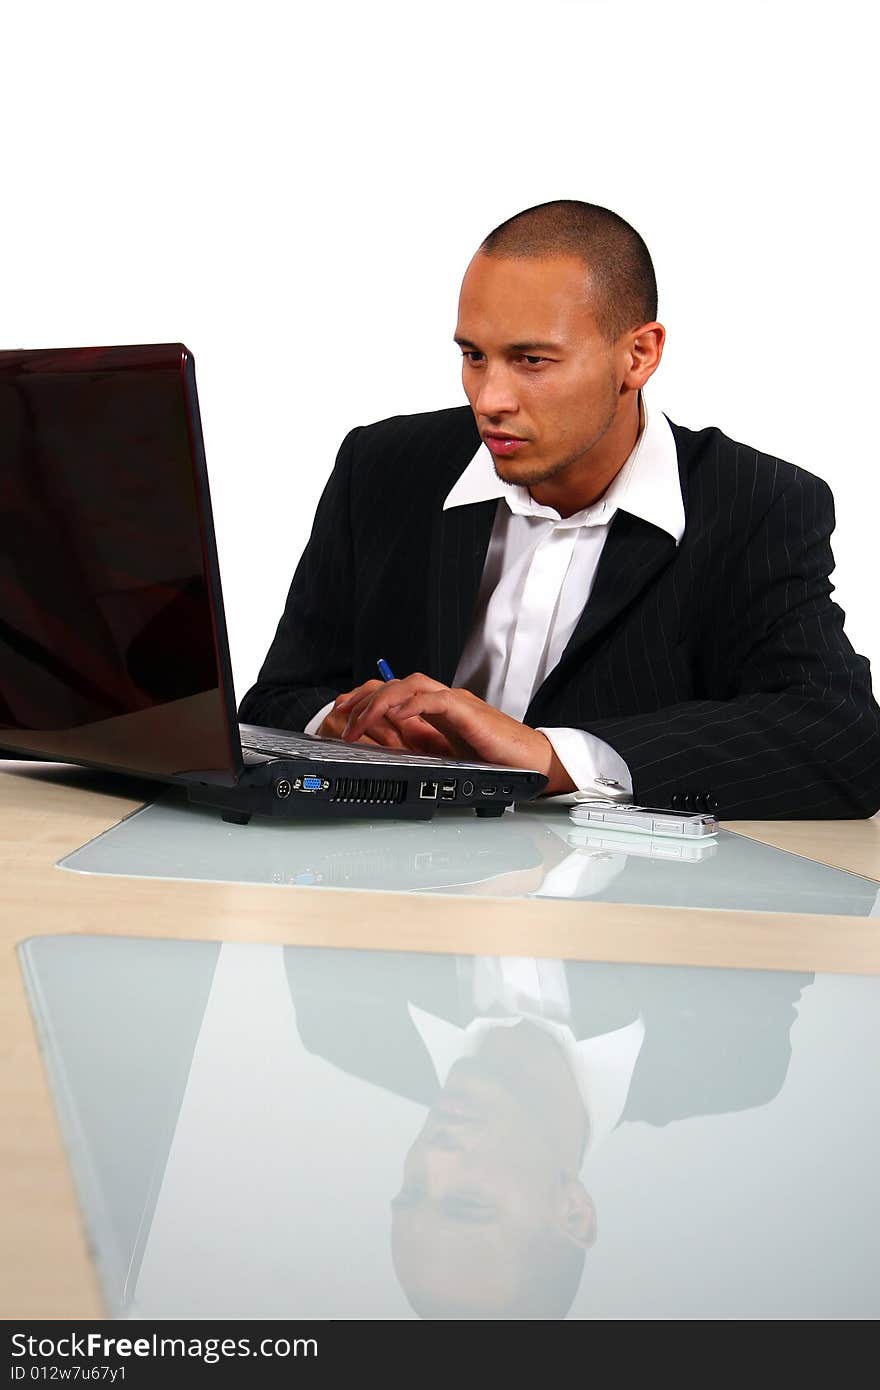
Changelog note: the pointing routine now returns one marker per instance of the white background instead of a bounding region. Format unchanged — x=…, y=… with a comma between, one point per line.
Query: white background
x=295, y=193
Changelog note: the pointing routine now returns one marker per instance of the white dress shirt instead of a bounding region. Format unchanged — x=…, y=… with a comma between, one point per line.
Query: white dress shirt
x=538, y=575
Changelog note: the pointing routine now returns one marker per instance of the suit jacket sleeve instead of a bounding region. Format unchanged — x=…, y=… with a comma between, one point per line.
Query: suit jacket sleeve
x=309, y=661
x=797, y=733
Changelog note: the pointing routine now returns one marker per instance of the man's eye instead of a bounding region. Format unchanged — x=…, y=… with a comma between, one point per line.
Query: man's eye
x=472, y=355
x=534, y=361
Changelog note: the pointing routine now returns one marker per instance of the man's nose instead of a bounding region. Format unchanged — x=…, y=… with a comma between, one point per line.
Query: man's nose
x=496, y=395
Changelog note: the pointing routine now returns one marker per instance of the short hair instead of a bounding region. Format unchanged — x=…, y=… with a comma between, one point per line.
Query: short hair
x=621, y=271
x=543, y=1285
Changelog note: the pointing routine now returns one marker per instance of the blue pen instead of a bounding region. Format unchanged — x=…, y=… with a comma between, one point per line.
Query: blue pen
x=385, y=670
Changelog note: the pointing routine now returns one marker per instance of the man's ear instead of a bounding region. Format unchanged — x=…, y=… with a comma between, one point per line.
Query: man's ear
x=645, y=351
x=575, y=1212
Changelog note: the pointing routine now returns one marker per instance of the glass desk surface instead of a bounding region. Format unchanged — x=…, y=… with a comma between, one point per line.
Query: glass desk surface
x=265, y=1131
x=532, y=852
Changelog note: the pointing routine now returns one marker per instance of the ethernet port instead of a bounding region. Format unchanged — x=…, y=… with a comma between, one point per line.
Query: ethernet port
x=428, y=791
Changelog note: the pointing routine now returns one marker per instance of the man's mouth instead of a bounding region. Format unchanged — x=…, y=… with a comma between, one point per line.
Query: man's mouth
x=503, y=443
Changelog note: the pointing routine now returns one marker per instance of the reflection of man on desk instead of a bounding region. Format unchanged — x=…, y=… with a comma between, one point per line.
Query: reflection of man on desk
x=526, y=1066
x=492, y=1218
x=566, y=581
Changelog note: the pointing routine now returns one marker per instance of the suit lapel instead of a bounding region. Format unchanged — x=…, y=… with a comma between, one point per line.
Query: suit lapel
x=633, y=555
x=458, y=553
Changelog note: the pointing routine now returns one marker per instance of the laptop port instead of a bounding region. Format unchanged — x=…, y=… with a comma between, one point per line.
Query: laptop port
x=507, y=791
x=467, y=788
x=428, y=791
x=447, y=791
x=488, y=791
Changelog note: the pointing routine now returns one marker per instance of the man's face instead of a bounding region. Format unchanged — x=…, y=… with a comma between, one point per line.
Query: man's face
x=478, y=1185
x=535, y=365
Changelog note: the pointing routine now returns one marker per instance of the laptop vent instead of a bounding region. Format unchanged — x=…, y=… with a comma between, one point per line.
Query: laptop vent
x=384, y=791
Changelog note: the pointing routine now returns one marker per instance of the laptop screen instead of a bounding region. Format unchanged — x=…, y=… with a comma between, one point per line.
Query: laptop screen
x=112, y=638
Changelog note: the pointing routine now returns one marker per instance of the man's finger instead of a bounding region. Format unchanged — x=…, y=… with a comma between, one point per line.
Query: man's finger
x=346, y=697
x=420, y=737
x=377, y=703
x=384, y=733
x=442, y=705
x=362, y=713
x=416, y=736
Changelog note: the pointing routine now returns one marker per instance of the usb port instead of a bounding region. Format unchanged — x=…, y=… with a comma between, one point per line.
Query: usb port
x=428, y=791
x=488, y=791
x=447, y=791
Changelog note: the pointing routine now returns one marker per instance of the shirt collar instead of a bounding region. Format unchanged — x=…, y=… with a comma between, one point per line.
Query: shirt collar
x=647, y=486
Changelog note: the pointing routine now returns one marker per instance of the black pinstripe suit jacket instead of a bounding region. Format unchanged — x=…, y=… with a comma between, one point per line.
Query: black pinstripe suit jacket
x=718, y=669
x=715, y=1040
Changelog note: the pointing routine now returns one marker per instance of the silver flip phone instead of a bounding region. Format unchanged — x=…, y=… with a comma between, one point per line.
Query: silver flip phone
x=643, y=820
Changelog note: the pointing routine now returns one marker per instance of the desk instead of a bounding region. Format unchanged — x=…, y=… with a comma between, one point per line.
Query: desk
x=48, y=811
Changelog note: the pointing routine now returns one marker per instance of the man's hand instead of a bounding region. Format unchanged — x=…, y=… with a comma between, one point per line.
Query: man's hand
x=419, y=737
x=428, y=717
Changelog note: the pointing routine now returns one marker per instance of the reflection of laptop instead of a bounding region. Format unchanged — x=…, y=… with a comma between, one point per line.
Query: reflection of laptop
x=113, y=649
x=385, y=856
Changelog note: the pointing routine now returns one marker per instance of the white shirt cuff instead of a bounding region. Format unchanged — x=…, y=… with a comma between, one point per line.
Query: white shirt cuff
x=585, y=758
x=317, y=720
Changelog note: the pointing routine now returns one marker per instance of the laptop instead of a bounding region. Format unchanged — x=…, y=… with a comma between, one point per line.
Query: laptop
x=113, y=645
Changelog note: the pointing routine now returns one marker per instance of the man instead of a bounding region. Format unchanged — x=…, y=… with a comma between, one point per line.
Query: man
x=492, y=1219
x=566, y=581
x=525, y=1067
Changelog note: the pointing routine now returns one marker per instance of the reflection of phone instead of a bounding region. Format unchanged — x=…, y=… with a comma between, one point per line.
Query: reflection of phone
x=683, y=850
x=643, y=820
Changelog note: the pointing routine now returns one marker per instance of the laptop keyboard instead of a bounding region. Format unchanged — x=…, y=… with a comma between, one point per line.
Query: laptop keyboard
x=332, y=750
